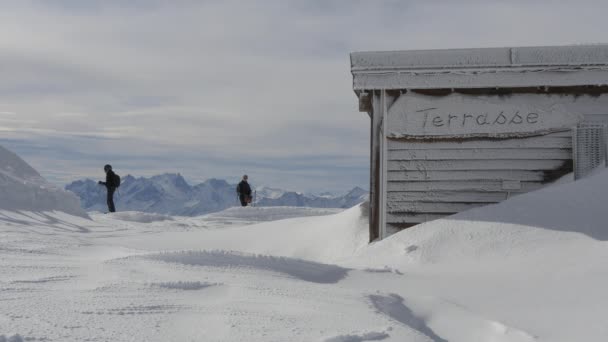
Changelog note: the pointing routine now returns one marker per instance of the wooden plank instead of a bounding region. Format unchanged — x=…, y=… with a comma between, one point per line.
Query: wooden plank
x=431, y=207
x=404, y=78
x=534, y=142
x=463, y=116
x=475, y=165
x=567, y=133
x=481, y=185
x=422, y=175
x=412, y=218
x=375, y=169
x=481, y=154
x=447, y=196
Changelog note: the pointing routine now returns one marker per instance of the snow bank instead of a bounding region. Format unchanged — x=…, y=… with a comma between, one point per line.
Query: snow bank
x=328, y=238
x=22, y=188
x=561, y=217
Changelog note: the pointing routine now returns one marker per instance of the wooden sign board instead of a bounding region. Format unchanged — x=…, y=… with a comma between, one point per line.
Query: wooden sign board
x=462, y=116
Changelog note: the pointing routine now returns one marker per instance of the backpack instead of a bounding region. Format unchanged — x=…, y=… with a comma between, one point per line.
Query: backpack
x=116, y=180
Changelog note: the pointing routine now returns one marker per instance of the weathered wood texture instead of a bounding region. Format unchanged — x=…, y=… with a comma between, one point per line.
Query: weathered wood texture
x=429, y=179
x=464, y=185
x=551, y=142
x=482, y=154
x=412, y=218
x=483, y=116
x=447, y=196
x=492, y=68
x=375, y=142
x=465, y=165
x=430, y=207
x=419, y=175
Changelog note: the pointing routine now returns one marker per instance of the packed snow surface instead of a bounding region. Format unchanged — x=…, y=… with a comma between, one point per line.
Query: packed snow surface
x=529, y=269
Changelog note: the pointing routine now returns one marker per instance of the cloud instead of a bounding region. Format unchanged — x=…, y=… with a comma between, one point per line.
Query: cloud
x=255, y=84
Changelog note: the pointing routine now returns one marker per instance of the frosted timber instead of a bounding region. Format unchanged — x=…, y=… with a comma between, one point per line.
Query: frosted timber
x=465, y=116
x=428, y=179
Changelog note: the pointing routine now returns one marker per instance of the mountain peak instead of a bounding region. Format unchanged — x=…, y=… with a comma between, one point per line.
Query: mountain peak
x=216, y=183
x=357, y=192
x=173, y=179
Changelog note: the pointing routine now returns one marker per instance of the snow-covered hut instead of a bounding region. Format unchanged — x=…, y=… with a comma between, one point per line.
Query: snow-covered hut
x=457, y=129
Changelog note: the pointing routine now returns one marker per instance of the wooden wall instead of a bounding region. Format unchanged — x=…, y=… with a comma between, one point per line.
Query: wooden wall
x=429, y=179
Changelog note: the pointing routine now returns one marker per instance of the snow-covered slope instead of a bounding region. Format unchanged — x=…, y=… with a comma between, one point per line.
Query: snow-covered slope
x=22, y=188
x=529, y=269
x=171, y=194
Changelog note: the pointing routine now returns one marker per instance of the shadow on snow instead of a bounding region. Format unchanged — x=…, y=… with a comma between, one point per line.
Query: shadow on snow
x=394, y=307
x=296, y=268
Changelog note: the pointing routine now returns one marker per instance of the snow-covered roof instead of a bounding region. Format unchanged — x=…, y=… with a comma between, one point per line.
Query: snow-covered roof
x=481, y=68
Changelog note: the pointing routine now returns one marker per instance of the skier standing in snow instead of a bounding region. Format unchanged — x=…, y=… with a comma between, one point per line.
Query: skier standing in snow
x=244, y=192
x=112, y=182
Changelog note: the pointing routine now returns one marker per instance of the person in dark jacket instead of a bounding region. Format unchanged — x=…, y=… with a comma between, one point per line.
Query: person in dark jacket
x=110, y=186
x=244, y=191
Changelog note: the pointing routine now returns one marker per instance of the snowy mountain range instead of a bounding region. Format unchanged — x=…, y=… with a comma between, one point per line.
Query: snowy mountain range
x=171, y=194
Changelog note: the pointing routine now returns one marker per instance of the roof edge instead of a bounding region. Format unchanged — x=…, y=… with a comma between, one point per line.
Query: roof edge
x=568, y=55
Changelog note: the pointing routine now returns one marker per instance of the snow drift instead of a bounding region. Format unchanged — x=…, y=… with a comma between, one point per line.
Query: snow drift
x=22, y=188
x=531, y=223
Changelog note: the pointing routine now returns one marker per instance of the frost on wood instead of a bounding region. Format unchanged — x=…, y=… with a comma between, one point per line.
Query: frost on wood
x=479, y=68
x=483, y=58
x=465, y=116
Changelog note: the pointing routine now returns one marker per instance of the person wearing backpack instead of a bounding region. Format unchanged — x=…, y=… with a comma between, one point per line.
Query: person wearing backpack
x=112, y=182
x=244, y=191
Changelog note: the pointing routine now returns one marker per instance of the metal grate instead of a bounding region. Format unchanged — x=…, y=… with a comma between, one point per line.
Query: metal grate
x=589, y=147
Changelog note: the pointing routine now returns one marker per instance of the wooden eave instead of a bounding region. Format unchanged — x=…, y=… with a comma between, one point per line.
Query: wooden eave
x=524, y=67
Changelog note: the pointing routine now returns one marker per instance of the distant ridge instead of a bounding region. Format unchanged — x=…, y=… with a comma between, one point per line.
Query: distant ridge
x=170, y=194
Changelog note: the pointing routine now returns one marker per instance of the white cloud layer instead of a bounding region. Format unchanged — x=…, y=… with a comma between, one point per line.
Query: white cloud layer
x=254, y=86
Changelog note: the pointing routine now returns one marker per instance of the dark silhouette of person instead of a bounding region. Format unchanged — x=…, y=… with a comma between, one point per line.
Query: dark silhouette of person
x=244, y=191
x=110, y=186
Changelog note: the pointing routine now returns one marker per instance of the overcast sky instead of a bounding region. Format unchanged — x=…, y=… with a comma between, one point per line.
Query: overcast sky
x=215, y=89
